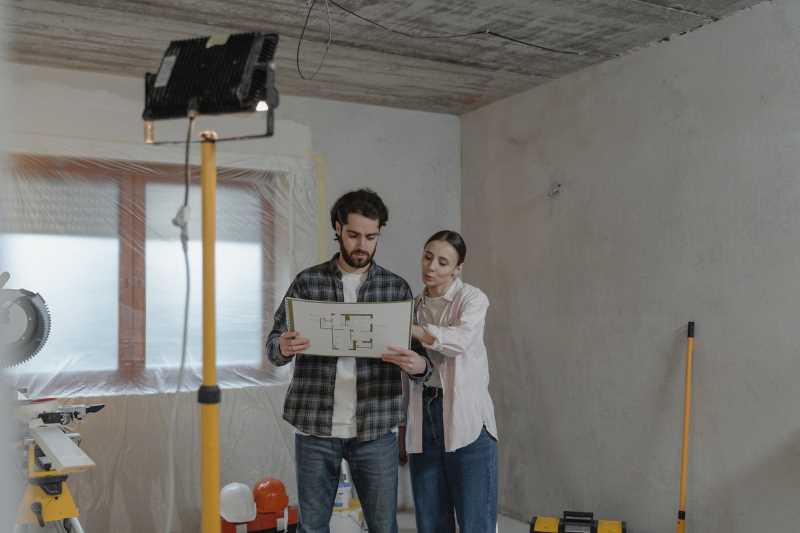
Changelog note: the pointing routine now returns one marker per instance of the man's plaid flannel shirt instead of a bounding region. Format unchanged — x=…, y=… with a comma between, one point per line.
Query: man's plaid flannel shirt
x=309, y=400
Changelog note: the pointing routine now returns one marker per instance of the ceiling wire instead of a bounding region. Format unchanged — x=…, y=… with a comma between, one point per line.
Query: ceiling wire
x=433, y=36
x=302, y=35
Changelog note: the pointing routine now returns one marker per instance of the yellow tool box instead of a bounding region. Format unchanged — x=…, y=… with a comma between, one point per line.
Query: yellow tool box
x=575, y=522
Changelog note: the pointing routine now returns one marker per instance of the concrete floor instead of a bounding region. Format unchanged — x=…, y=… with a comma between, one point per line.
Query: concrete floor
x=405, y=521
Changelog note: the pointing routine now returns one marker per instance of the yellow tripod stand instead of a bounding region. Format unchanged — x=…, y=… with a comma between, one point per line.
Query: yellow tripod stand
x=47, y=497
x=52, y=453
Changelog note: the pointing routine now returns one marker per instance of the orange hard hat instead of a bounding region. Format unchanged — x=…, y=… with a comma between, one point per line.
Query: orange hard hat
x=270, y=496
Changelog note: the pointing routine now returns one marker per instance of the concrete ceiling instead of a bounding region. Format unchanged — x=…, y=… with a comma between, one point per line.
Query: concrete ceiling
x=365, y=63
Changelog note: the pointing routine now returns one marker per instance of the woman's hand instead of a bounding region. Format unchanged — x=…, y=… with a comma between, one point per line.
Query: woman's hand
x=292, y=343
x=422, y=335
x=409, y=361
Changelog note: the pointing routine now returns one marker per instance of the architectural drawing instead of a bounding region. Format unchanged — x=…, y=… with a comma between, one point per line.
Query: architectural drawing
x=351, y=332
x=344, y=329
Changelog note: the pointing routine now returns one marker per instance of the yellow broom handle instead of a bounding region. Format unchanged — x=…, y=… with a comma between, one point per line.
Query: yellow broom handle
x=209, y=394
x=687, y=412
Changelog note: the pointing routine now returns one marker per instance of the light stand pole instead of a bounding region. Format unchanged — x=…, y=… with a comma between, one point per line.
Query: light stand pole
x=214, y=75
x=209, y=394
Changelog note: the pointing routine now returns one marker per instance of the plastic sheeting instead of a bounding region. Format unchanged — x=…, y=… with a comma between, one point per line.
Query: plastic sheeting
x=127, y=491
x=9, y=492
x=94, y=237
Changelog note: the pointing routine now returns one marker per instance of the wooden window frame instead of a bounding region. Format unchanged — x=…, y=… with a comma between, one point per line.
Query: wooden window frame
x=132, y=178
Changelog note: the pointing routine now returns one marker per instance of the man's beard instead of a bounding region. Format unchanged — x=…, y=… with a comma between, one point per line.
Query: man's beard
x=354, y=261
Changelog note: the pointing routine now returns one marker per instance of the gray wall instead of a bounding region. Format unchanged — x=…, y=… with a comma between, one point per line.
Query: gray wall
x=680, y=201
x=412, y=159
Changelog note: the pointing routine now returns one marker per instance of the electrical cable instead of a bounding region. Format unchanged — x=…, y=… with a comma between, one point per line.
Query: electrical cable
x=302, y=35
x=406, y=34
x=486, y=32
x=181, y=220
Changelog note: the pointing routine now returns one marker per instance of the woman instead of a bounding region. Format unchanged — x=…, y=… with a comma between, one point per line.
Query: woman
x=451, y=434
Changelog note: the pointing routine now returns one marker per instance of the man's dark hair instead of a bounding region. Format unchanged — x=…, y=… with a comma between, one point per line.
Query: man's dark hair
x=452, y=238
x=364, y=202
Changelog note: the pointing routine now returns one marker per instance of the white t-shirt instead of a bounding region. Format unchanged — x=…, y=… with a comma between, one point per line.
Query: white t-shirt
x=344, y=393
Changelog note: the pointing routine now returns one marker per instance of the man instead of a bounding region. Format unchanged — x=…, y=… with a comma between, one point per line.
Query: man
x=346, y=407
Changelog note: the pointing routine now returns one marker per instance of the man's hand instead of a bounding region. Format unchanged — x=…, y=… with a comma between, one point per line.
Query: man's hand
x=401, y=444
x=409, y=361
x=292, y=343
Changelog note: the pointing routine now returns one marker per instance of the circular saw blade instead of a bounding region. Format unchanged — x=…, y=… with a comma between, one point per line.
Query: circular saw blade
x=24, y=325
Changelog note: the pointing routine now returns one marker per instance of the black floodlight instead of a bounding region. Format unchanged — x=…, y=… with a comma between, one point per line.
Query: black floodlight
x=213, y=75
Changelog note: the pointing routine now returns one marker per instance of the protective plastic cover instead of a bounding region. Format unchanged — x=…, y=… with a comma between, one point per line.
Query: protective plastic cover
x=94, y=237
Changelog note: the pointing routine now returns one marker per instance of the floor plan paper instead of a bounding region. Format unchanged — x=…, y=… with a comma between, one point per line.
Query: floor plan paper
x=350, y=329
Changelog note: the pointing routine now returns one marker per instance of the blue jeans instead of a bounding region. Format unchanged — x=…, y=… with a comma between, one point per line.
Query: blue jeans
x=461, y=483
x=373, y=467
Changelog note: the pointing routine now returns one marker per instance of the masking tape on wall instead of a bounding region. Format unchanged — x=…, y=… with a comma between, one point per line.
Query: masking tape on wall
x=321, y=174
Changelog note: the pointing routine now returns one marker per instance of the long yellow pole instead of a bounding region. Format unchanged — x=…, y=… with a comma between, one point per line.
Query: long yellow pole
x=687, y=411
x=209, y=393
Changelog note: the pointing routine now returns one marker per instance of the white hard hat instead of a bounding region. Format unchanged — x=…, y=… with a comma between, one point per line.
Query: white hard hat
x=236, y=504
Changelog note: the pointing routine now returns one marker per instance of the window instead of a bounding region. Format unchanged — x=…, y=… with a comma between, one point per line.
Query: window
x=84, y=328
x=95, y=239
x=238, y=278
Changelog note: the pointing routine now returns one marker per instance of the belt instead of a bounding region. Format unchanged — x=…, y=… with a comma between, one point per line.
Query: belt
x=432, y=392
